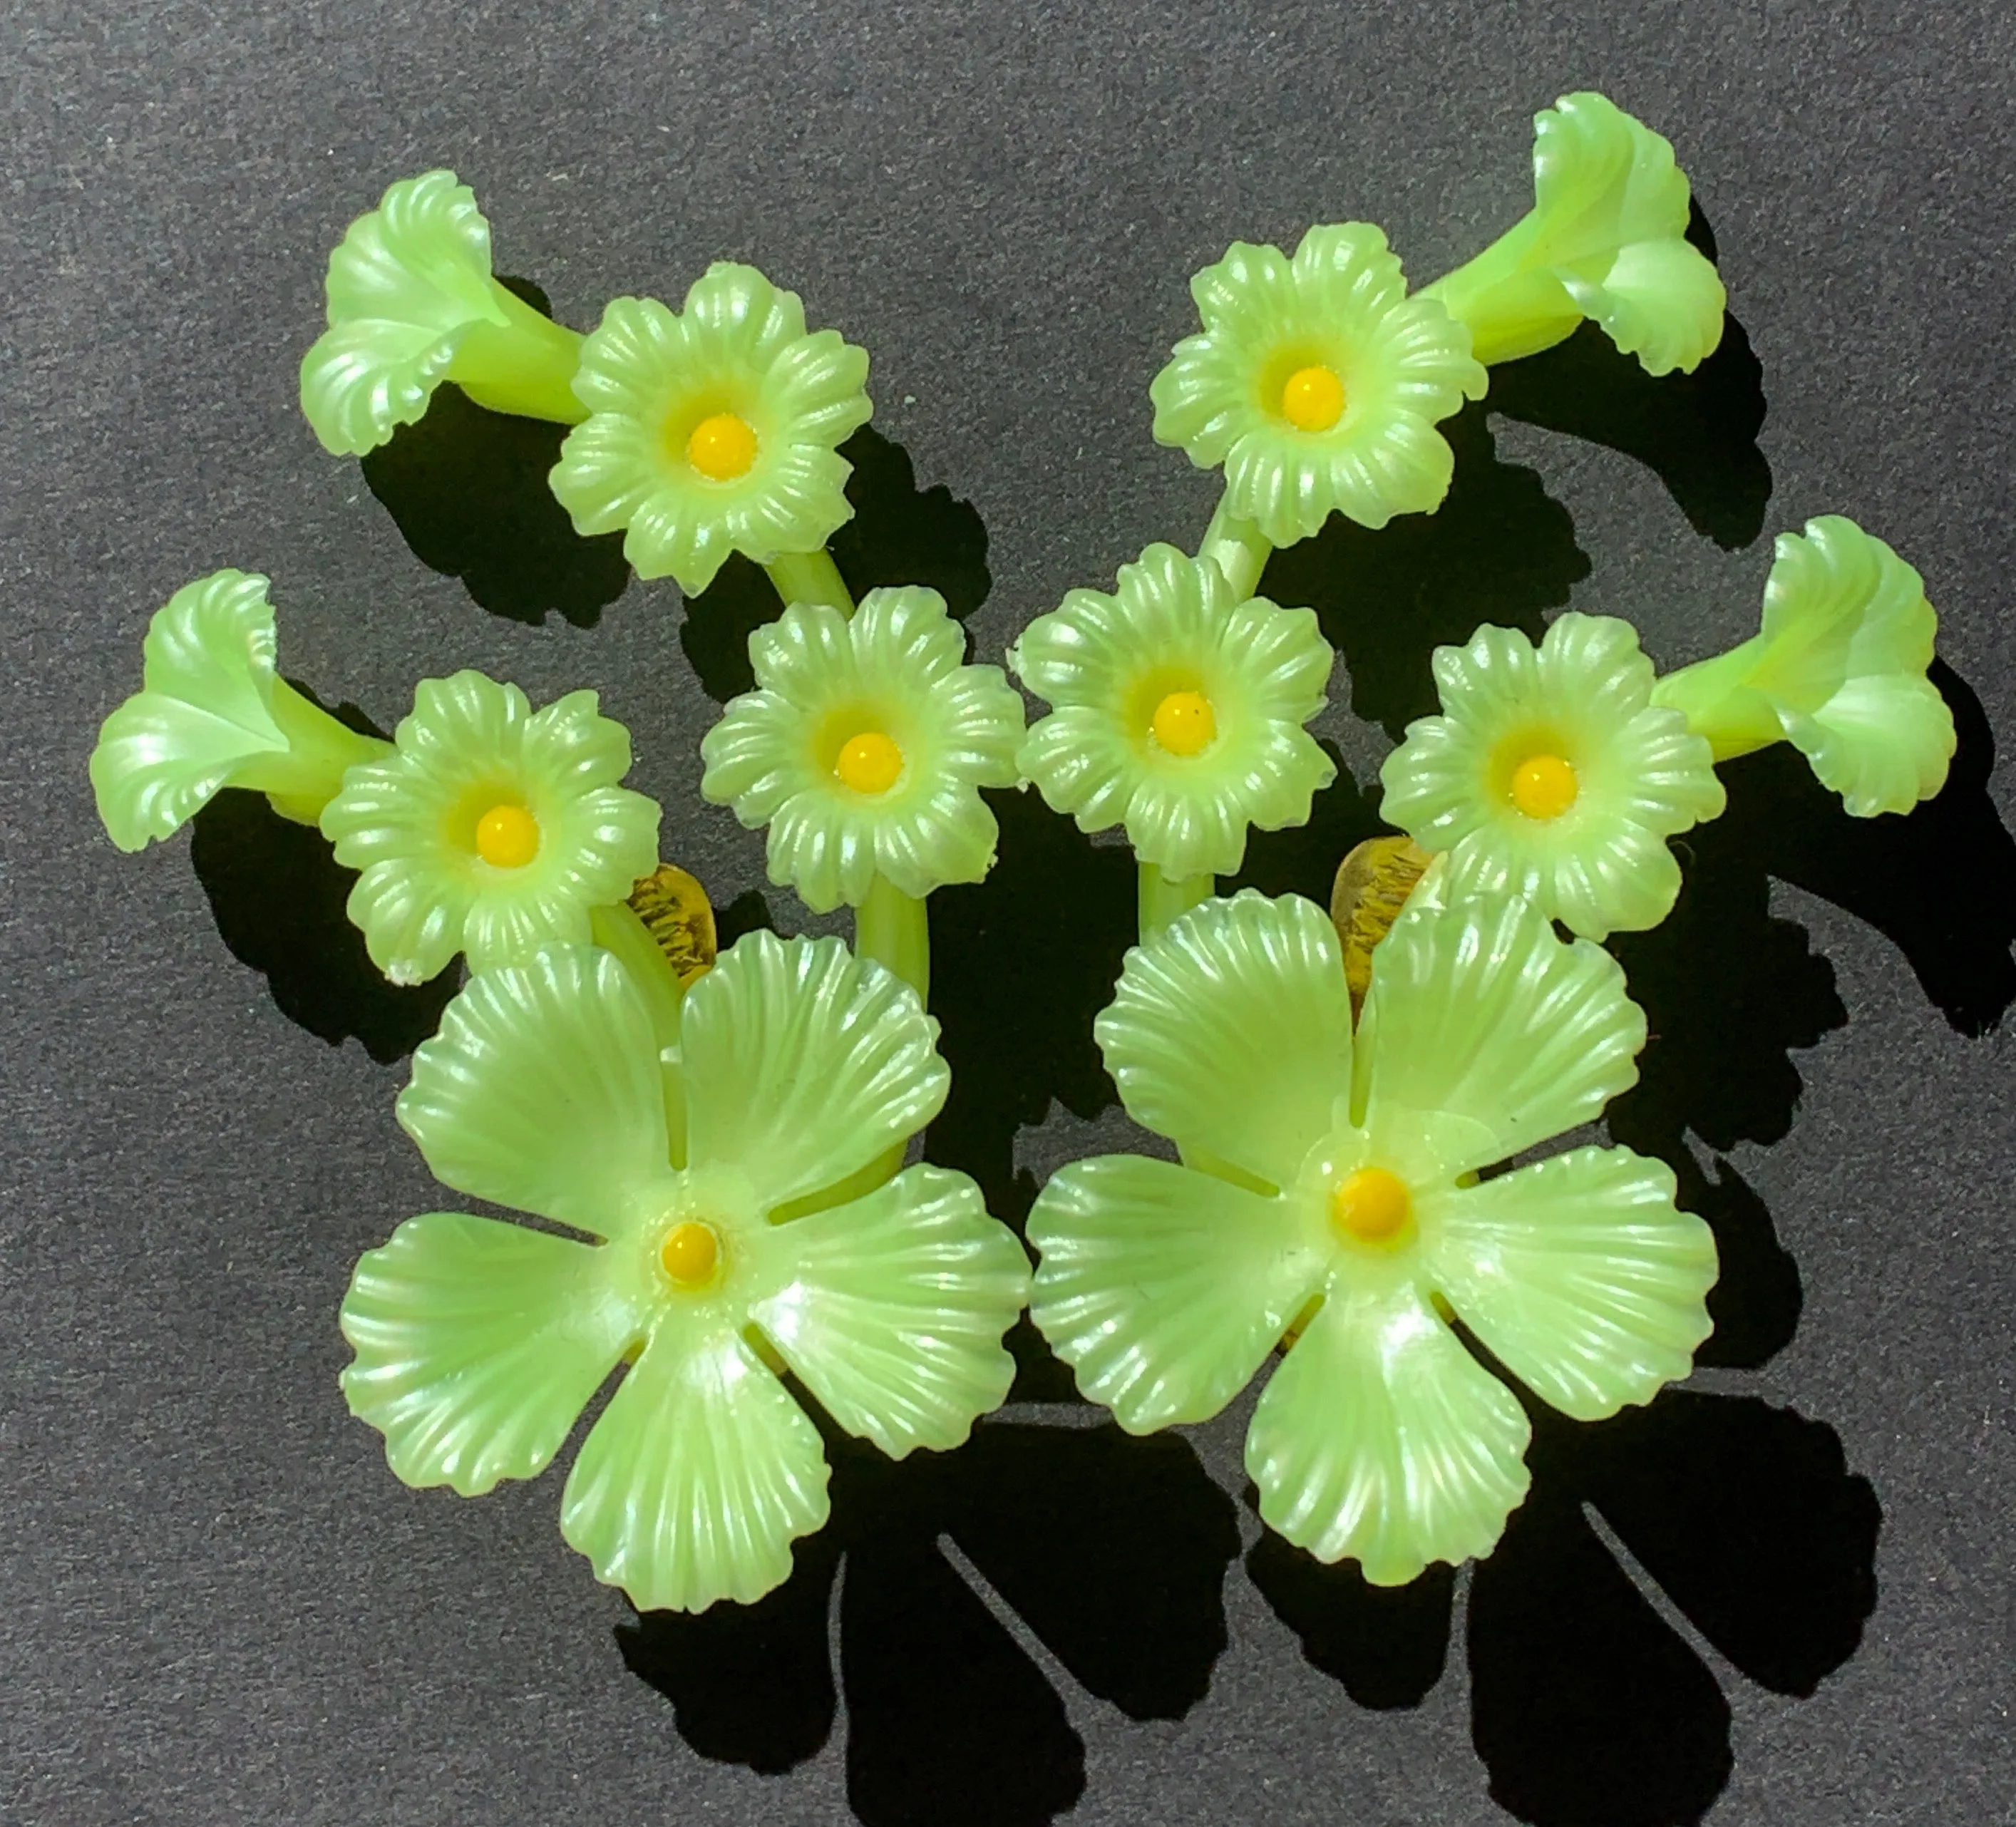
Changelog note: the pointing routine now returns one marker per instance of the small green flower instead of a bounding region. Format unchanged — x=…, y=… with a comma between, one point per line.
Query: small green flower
x=213, y=713
x=412, y=303
x=1550, y=773
x=1332, y=1198
x=725, y=1253
x=1606, y=240
x=714, y=431
x=864, y=748
x=1179, y=712
x=1838, y=671
x=489, y=829
x=1317, y=383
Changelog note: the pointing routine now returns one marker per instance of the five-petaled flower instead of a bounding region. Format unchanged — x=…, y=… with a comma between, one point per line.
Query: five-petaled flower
x=1551, y=774
x=1332, y=1191
x=735, y=1238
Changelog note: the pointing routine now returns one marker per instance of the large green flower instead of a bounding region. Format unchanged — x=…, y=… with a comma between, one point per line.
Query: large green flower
x=864, y=748
x=1179, y=712
x=713, y=431
x=1838, y=670
x=491, y=830
x=1317, y=383
x=1332, y=1193
x=724, y=1255
x=213, y=713
x=1550, y=773
x=411, y=304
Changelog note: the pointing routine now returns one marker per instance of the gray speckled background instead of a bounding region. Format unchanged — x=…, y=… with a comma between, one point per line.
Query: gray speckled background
x=215, y=1603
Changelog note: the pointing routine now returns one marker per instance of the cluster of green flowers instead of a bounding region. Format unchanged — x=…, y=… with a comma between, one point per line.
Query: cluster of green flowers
x=725, y=1136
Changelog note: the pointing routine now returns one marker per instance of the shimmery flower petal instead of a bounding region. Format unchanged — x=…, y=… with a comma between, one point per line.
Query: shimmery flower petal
x=896, y=1308
x=1164, y=1288
x=1230, y=1033
x=699, y=1476
x=542, y=1092
x=1884, y=744
x=1381, y=1438
x=1580, y=1275
x=413, y=921
x=478, y=1344
x=804, y=1064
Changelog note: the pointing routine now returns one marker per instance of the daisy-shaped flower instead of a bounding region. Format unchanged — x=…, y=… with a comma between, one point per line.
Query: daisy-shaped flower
x=1317, y=383
x=490, y=828
x=1606, y=240
x=213, y=713
x=713, y=430
x=1551, y=774
x=864, y=748
x=1838, y=670
x=411, y=304
x=1179, y=708
x=1332, y=1193
x=722, y=1257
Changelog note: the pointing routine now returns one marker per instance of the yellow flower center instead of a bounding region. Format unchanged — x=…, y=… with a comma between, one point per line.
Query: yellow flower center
x=1184, y=723
x=1312, y=399
x=690, y=1253
x=869, y=763
x=507, y=836
x=722, y=448
x=1370, y=1207
x=1544, y=786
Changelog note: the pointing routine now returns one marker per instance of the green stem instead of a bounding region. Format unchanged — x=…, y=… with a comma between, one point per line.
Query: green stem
x=1240, y=549
x=893, y=929
x=1509, y=297
x=1720, y=703
x=302, y=779
x=810, y=576
x=524, y=365
x=617, y=930
x=1162, y=900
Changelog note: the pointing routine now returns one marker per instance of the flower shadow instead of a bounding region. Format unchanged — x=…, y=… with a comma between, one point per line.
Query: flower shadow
x=467, y=488
x=1110, y=1551
x=900, y=534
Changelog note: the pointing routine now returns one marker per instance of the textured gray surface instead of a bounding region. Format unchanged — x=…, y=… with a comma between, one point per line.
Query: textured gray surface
x=217, y=1605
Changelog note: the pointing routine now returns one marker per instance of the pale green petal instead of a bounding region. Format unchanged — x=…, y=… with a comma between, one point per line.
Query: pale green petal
x=804, y=1064
x=1080, y=761
x=478, y=1344
x=1230, y=1032
x=1164, y=1288
x=413, y=921
x=1883, y=743
x=405, y=281
x=1662, y=301
x=542, y=1092
x=824, y=850
x=949, y=837
x=206, y=707
x=1381, y=1438
x=1479, y=1012
x=895, y=1312
x=697, y=1478
x=1579, y=1275
x=757, y=754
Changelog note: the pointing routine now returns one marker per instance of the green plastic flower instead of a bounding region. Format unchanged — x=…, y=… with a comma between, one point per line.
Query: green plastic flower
x=724, y=1255
x=489, y=829
x=1551, y=774
x=1332, y=1197
x=1838, y=671
x=864, y=748
x=1179, y=712
x=412, y=303
x=213, y=713
x=1317, y=384
x=1606, y=240
x=714, y=431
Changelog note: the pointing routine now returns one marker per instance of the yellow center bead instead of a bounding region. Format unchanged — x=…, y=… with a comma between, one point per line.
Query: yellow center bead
x=1544, y=786
x=690, y=1253
x=1312, y=399
x=1185, y=724
x=1370, y=1206
x=507, y=836
x=869, y=763
x=722, y=448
